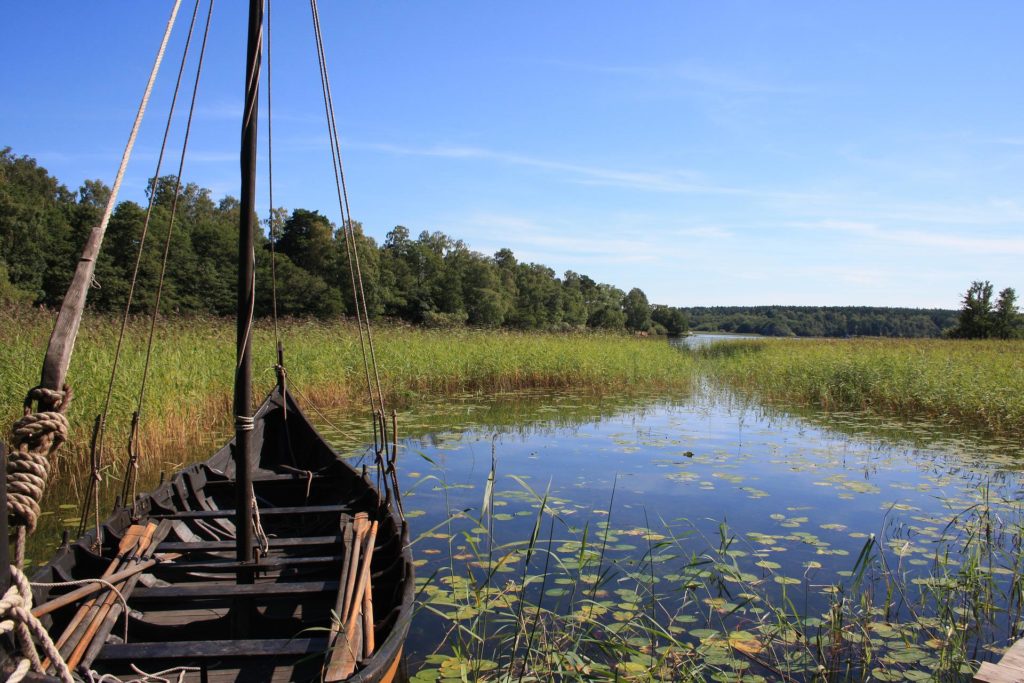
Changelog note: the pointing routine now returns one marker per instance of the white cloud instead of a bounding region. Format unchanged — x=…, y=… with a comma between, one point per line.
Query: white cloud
x=924, y=239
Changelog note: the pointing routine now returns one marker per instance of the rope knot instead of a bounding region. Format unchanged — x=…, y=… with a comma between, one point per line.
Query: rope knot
x=34, y=440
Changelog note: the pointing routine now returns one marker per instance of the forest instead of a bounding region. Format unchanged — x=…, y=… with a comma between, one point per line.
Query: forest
x=817, y=321
x=430, y=279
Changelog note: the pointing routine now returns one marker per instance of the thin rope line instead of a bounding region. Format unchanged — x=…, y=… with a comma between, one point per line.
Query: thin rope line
x=339, y=173
x=270, y=188
x=93, y=491
x=174, y=209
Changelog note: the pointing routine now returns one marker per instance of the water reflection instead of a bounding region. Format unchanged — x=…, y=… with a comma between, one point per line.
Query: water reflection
x=799, y=492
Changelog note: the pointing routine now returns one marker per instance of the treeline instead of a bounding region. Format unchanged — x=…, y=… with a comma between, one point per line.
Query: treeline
x=823, y=321
x=431, y=279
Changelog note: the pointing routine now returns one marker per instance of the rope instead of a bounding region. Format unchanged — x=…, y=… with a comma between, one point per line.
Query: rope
x=34, y=440
x=270, y=191
x=16, y=618
x=257, y=527
x=92, y=497
x=174, y=209
x=355, y=270
x=156, y=677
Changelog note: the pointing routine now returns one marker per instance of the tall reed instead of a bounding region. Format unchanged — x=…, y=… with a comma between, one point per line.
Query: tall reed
x=959, y=383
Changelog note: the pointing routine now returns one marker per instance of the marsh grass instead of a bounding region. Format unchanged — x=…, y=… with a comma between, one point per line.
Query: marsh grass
x=188, y=392
x=976, y=384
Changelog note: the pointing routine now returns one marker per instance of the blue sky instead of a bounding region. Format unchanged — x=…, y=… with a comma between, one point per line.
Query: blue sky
x=724, y=153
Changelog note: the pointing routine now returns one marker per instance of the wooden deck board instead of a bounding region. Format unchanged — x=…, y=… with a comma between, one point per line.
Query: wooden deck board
x=1010, y=668
x=194, y=650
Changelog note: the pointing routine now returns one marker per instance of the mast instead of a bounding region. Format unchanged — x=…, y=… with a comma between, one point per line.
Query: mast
x=246, y=297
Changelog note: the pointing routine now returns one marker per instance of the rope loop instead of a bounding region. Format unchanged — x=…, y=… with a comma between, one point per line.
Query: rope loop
x=16, y=618
x=245, y=423
x=34, y=439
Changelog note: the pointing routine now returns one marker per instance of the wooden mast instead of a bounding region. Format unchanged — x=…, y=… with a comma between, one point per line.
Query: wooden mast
x=246, y=297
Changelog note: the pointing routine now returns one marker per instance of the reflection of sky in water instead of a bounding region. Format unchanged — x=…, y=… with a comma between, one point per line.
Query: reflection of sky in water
x=813, y=493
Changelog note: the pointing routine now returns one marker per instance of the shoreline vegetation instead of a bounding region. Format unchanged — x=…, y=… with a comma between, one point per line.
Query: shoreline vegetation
x=617, y=621
x=189, y=382
x=958, y=384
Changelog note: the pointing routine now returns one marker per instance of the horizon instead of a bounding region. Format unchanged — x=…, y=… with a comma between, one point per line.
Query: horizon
x=822, y=156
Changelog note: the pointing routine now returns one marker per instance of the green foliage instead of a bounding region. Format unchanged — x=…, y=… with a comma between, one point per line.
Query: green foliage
x=637, y=310
x=822, y=321
x=433, y=279
x=979, y=319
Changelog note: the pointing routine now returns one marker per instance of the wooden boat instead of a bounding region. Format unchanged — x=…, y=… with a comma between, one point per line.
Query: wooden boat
x=273, y=560
x=184, y=611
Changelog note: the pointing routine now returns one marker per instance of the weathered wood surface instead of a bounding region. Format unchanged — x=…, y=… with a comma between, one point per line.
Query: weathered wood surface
x=275, y=543
x=230, y=590
x=265, y=512
x=214, y=649
x=1010, y=668
x=62, y=341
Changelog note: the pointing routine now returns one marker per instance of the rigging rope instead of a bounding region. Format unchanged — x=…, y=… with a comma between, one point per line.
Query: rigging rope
x=92, y=496
x=385, y=470
x=270, y=191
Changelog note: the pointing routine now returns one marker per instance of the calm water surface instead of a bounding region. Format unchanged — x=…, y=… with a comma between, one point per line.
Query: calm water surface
x=797, y=497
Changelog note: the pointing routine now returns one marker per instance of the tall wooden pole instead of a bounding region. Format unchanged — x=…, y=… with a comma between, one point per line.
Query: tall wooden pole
x=246, y=284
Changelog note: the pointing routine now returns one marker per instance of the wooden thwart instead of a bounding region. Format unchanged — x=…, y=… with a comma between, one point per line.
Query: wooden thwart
x=1010, y=668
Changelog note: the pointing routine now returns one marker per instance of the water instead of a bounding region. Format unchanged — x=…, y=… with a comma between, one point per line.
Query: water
x=780, y=507
x=699, y=340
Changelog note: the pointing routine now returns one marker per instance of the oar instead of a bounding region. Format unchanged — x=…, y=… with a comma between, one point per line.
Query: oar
x=361, y=525
x=85, y=591
x=99, y=640
x=346, y=540
x=368, y=643
x=94, y=624
x=127, y=544
x=349, y=643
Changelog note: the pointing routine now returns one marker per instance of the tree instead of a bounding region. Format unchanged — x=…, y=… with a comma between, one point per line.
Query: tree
x=673, y=319
x=1006, y=317
x=976, y=317
x=637, y=310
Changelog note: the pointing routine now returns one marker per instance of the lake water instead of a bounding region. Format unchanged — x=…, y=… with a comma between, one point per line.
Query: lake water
x=728, y=518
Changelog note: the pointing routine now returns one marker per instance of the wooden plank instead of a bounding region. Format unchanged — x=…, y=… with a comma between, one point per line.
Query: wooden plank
x=227, y=565
x=997, y=673
x=264, y=512
x=231, y=590
x=213, y=546
x=192, y=650
x=288, y=478
x=1010, y=668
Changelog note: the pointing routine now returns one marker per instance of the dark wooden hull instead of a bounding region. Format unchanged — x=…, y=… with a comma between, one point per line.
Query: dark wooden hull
x=187, y=612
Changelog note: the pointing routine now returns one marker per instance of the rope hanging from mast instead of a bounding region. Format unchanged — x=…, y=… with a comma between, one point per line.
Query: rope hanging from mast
x=385, y=461
x=93, y=495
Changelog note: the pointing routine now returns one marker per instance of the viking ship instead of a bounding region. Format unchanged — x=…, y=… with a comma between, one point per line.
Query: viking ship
x=272, y=560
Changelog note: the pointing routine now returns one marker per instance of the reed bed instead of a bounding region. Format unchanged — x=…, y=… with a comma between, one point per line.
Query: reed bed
x=976, y=384
x=188, y=392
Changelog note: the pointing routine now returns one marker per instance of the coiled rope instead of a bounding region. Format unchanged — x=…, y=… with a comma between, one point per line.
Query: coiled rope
x=34, y=439
x=16, y=618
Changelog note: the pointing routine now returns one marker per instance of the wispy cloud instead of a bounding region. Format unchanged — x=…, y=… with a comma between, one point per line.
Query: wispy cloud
x=924, y=239
x=532, y=239
x=675, y=182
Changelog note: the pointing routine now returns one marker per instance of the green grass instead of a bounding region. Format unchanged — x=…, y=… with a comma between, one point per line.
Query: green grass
x=960, y=384
x=189, y=387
